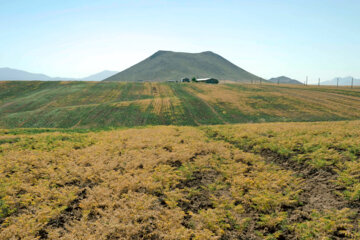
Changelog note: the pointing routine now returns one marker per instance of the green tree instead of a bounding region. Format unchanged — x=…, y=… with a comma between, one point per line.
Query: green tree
x=193, y=79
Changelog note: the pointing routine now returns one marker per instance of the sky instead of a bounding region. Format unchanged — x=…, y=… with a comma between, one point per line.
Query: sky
x=269, y=38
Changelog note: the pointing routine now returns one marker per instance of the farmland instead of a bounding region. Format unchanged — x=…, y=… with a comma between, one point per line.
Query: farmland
x=240, y=181
x=94, y=160
x=179, y=120
x=114, y=104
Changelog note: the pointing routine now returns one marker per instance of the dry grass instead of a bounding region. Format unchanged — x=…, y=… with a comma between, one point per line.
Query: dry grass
x=216, y=182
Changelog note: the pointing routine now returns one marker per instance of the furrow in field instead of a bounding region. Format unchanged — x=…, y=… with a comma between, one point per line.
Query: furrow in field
x=207, y=99
x=331, y=102
x=319, y=190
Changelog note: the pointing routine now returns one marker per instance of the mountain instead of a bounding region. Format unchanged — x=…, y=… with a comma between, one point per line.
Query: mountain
x=168, y=65
x=14, y=74
x=100, y=76
x=283, y=79
x=344, y=81
x=9, y=74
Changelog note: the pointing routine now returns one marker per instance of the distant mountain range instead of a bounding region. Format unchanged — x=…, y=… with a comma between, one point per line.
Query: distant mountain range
x=284, y=80
x=100, y=76
x=168, y=65
x=9, y=74
x=343, y=81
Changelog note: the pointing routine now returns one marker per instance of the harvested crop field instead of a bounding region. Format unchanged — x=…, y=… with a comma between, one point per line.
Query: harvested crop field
x=250, y=181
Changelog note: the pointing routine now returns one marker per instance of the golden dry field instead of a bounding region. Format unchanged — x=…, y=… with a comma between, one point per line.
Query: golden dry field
x=248, y=181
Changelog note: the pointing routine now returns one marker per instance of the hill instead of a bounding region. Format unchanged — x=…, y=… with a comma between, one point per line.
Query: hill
x=14, y=74
x=343, y=81
x=9, y=74
x=248, y=181
x=167, y=65
x=117, y=104
x=100, y=76
x=284, y=80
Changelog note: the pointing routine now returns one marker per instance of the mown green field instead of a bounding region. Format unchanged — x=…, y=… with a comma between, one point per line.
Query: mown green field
x=241, y=181
x=112, y=104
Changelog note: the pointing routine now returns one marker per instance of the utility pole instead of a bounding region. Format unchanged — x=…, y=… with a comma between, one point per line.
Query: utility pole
x=352, y=82
x=306, y=81
x=319, y=82
x=337, y=82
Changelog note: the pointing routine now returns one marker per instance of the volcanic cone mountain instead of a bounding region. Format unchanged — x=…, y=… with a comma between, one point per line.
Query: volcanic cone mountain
x=168, y=65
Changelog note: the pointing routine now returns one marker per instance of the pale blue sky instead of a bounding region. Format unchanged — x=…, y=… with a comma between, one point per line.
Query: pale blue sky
x=318, y=38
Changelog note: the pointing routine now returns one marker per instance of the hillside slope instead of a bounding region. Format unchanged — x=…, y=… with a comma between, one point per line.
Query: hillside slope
x=107, y=104
x=167, y=65
x=100, y=76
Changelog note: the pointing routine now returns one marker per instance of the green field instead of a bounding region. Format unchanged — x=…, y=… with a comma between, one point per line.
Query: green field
x=113, y=104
